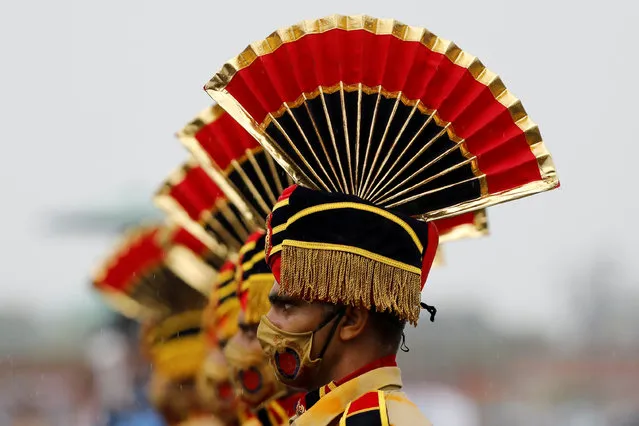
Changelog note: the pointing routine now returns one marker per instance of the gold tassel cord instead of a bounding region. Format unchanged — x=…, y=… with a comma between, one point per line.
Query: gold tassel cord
x=350, y=279
x=180, y=358
x=258, y=304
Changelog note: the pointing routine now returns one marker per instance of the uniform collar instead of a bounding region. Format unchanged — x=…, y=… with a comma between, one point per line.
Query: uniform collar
x=324, y=404
x=277, y=412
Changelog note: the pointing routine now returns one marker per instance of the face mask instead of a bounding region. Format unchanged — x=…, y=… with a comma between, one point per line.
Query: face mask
x=253, y=379
x=290, y=353
x=215, y=388
x=173, y=400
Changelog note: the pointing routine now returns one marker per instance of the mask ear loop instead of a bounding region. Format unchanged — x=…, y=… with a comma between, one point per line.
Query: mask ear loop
x=403, y=346
x=431, y=310
x=337, y=316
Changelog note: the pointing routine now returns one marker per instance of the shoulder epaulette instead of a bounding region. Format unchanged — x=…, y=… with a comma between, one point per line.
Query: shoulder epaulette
x=369, y=409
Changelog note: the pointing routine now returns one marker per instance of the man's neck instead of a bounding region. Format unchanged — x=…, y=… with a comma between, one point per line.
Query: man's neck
x=351, y=366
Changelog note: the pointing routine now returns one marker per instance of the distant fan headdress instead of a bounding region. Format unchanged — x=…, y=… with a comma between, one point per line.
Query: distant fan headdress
x=192, y=198
x=157, y=276
x=236, y=162
x=463, y=226
x=155, y=272
x=399, y=121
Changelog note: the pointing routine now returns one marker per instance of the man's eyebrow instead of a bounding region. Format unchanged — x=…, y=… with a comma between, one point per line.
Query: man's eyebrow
x=278, y=299
x=246, y=327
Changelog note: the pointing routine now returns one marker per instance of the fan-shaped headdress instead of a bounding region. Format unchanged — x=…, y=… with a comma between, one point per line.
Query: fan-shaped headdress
x=157, y=276
x=385, y=123
x=155, y=271
x=190, y=197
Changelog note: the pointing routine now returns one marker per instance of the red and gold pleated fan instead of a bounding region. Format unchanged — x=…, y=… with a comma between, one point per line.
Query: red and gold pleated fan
x=236, y=162
x=191, y=198
x=388, y=112
x=139, y=278
x=466, y=225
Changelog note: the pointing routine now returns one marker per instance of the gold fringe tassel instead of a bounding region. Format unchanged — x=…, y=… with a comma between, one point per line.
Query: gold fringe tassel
x=350, y=279
x=180, y=358
x=258, y=304
x=221, y=319
x=227, y=311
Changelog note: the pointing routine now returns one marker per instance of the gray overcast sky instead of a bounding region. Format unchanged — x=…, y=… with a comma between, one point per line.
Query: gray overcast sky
x=92, y=93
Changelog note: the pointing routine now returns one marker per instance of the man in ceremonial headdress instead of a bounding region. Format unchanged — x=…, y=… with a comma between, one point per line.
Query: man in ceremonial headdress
x=269, y=401
x=157, y=275
x=220, y=324
x=386, y=129
x=176, y=351
x=230, y=158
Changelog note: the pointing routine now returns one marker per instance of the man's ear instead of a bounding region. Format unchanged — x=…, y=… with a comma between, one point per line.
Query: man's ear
x=353, y=323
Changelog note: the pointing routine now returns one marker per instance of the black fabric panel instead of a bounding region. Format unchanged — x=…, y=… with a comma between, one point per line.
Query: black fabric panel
x=237, y=180
x=311, y=398
x=224, y=223
x=367, y=418
x=167, y=290
x=262, y=416
x=227, y=297
x=292, y=131
x=259, y=267
x=249, y=169
x=193, y=331
x=382, y=127
x=260, y=159
x=226, y=283
x=279, y=217
x=366, y=230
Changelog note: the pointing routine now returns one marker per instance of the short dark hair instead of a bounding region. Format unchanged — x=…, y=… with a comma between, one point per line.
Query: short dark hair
x=389, y=328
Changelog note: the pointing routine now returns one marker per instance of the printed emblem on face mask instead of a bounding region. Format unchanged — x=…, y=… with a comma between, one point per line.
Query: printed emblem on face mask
x=225, y=391
x=251, y=380
x=287, y=363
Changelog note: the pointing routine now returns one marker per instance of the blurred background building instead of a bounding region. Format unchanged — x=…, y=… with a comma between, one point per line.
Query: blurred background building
x=537, y=324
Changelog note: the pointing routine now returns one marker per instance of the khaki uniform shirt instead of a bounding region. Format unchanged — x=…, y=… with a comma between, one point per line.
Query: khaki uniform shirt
x=373, y=398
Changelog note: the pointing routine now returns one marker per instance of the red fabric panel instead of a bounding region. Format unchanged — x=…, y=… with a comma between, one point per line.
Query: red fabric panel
x=368, y=400
x=429, y=251
x=188, y=240
x=243, y=297
x=254, y=237
x=228, y=266
x=287, y=193
x=275, y=264
x=224, y=140
x=140, y=255
x=445, y=225
x=288, y=403
x=196, y=193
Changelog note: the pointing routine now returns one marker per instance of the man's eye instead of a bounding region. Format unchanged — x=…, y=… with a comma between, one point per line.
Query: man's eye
x=287, y=306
